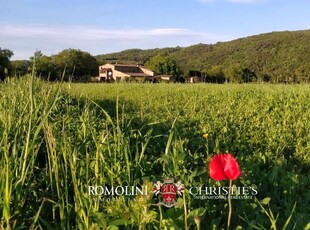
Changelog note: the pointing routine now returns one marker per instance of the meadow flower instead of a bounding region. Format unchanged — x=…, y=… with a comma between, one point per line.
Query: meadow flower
x=206, y=135
x=223, y=167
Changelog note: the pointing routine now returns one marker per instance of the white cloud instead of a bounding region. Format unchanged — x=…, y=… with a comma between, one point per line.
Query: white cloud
x=85, y=33
x=24, y=40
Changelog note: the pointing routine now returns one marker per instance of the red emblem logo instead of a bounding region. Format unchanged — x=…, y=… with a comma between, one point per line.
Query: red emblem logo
x=168, y=190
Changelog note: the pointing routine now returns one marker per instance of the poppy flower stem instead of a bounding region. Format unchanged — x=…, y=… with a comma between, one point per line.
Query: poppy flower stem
x=229, y=204
x=185, y=211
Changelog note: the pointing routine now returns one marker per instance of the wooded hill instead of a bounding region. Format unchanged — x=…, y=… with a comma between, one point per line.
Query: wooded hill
x=274, y=57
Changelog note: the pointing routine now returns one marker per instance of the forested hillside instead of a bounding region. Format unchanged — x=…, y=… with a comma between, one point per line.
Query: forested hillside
x=277, y=57
x=274, y=57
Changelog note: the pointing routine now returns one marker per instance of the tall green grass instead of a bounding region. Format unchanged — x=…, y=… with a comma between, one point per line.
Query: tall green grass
x=56, y=140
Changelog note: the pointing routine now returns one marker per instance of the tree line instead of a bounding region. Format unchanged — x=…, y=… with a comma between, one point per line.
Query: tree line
x=278, y=57
x=69, y=64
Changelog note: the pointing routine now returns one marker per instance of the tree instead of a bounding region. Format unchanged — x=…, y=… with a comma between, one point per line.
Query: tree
x=78, y=65
x=44, y=66
x=234, y=73
x=214, y=75
x=163, y=65
x=248, y=75
x=19, y=67
x=5, y=55
x=302, y=73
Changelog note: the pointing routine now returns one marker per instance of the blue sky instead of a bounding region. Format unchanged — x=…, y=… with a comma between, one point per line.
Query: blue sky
x=105, y=26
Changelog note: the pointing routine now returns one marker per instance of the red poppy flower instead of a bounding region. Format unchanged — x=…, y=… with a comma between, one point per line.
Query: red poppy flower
x=224, y=166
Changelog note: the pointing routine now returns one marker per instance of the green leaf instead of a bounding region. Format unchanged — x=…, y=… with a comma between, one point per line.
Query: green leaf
x=99, y=218
x=290, y=217
x=196, y=212
x=45, y=224
x=265, y=201
x=112, y=227
x=119, y=222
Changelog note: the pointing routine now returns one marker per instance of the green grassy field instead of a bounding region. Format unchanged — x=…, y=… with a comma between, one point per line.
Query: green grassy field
x=56, y=140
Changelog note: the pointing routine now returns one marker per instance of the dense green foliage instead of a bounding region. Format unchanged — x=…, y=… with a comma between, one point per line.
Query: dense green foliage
x=163, y=65
x=57, y=139
x=275, y=57
x=137, y=56
x=5, y=55
x=20, y=68
x=69, y=64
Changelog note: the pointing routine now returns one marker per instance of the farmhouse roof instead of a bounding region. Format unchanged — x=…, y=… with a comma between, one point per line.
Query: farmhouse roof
x=131, y=65
x=131, y=74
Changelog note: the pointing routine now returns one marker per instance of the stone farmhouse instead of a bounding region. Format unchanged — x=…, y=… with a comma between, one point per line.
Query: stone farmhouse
x=121, y=72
